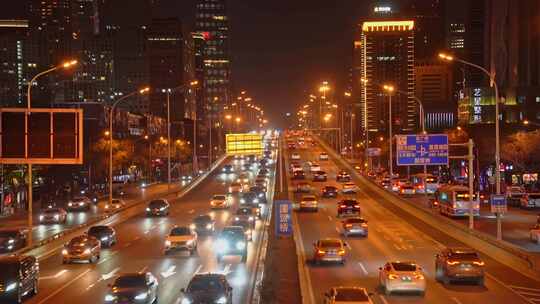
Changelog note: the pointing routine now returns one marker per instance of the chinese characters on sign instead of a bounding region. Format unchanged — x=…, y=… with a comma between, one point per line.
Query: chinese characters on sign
x=498, y=203
x=283, y=218
x=421, y=150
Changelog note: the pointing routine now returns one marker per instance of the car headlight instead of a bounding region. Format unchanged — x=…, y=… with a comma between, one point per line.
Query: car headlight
x=237, y=218
x=189, y=242
x=208, y=226
x=104, y=238
x=11, y=241
x=81, y=204
x=242, y=201
x=70, y=204
x=167, y=243
x=186, y=301
x=106, y=206
x=251, y=218
x=147, y=209
x=41, y=217
x=162, y=208
x=11, y=287
x=56, y=216
x=256, y=200
x=141, y=296
x=222, y=300
x=240, y=245
x=110, y=298
x=64, y=251
x=87, y=251
x=261, y=195
x=192, y=226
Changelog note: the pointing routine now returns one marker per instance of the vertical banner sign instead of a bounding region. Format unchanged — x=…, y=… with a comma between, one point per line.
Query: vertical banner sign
x=498, y=203
x=422, y=149
x=283, y=218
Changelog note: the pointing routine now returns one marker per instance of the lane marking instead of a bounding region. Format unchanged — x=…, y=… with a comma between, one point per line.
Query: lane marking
x=227, y=269
x=489, y=275
x=108, y=257
x=456, y=300
x=143, y=269
x=57, y=275
x=198, y=269
x=383, y=299
x=329, y=218
x=63, y=287
x=169, y=272
x=337, y=230
x=525, y=288
x=364, y=270
x=105, y=277
x=49, y=253
x=191, y=211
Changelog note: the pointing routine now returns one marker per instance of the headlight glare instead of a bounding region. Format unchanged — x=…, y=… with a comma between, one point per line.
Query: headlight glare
x=221, y=300
x=141, y=296
x=110, y=298
x=11, y=287
x=240, y=245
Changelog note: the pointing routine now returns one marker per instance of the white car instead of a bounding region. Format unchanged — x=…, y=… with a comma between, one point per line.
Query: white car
x=530, y=200
x=315, y=167
x=535, y=234
x=295, y=156
x=402, y=276
x=181, y=238
x=220, y=201
x=114, y=205
x=347, y=295
x=323, y=156
x=349, y=188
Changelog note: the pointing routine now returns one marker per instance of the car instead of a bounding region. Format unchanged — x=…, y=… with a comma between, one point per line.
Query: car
x=348, y=207
x=115, y=204
x=314, y=167
x=264, y=172
x=235, y=187
x=81, y=248
x=12, y=239
x=220, y=201
x=238, y=157
x=319, y=176
x=254, y=166
x=343, y=176
x=349, y=188
x=296, y=167
x=329, y=250
x=354, y=226
x=246, y=224
x=158, y=207
x=329, y=191
x=79, y=203
x=530, y=200
x=386, y=183
x=19, y=278
x=133, y=288
x=298, y=175
x=514, y=195
x=207, y=288
x=181, y=238
x=309, y=202
x=291, y=146
x=256, y=207
x=105, y=234
x=295, y=156
x=323, y=156
x=260, y=192
x=243, y=178
x=227, y=169
x=119, y=191
x=249, y=198
x=462, y=264
x=402, y=277
x=407, y=189
x=344, y=295
x=535, y=234
x=231, y=241
x=246, y=167
x=303, y=187
x=246, y=213
x=262, y=184
x=203, y=224
x=53, y=216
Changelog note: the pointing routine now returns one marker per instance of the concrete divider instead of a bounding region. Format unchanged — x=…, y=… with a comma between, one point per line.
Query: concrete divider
x=76, y=230
x=501, y=251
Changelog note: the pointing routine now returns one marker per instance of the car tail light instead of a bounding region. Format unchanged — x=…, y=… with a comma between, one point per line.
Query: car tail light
x=452, y=262
x=364, y=225
x=341, y=252
x=357, y=206
x=342, y=206
x=419, y=276
x=321, y=251
x=348, y=225
x=392, y=276
x=478, y=263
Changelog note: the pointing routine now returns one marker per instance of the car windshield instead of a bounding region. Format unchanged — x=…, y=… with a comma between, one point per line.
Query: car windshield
x=179, y=231
x=156, y=204
x=203, y=219
x=352, y=294
x=249, y=195
x=219, y=197
x=130, y=281
x=205, y=284
x=51, y=211
x=235, y=184
x=309, y=198
x=464, y=256
x=330, y=243
x=98, y=229
x=356, y=221
x=349, y=203
x=404, y=266
x=349, y=185
x=534, y=196
x=78, y=242
x=8, y=234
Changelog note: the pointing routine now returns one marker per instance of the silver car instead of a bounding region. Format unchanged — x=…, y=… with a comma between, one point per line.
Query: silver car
x=329, y=250
x=402, y=277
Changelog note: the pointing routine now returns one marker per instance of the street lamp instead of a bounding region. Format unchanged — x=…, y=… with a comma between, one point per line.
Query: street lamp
x=65, y=65
x=111, y=118
x=389, y=90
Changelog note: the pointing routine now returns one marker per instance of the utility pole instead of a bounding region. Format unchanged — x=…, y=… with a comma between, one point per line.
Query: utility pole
x=390, y=162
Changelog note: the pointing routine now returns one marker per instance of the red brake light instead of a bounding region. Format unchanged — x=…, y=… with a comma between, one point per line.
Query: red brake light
x=342, y=206
x=357, y=206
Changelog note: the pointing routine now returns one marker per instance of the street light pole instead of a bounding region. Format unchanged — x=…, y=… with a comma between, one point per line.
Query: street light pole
x=390, y=162
x=493, y=84
x=168, y=140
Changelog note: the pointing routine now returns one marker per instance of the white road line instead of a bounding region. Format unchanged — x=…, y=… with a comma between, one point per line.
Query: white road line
x=329, y=218
x=397, y=247
x=198, y=269
x=508, y=287
x=57, y=275
x=227, y=269
x=50, y=296
x=456, y=300
x=110, y=274
x=143, y=269
x=49, y=253
x=169, y=272
x=337, y=230
x=364, y=270
x=191, y=211
x=383, y=299
x=525, y=288
x=108, y=257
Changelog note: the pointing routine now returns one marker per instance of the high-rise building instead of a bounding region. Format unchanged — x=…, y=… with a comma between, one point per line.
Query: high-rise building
x=202, y=106
x=387, y=57
x=212, y=21
x=171, y=64
x=429, y=35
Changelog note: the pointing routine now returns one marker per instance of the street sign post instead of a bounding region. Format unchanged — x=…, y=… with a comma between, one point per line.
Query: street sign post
x=498, y=203
x=422, y=149
x=283, y=218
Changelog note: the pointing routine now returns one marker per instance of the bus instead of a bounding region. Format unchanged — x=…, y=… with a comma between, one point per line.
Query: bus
x=453, y=201
x=431, y=182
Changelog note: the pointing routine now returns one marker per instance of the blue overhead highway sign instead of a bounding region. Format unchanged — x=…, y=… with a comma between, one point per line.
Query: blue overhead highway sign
x=423, y=149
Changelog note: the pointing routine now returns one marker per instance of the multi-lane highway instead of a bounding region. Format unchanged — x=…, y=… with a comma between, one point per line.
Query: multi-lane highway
x=140, y=248
x=393, y=236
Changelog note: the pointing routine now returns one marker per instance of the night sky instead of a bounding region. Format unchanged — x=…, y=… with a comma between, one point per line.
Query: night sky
x=281, y=48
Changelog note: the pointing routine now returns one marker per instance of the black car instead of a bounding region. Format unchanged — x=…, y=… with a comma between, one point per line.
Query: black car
x=19, y=276
x=329, y=191
x=246, y=167
x=260, y=192
x=203, y=224
x=227, y=169
x=264, y=172
x=298, y=175
x=232, y=241
x=343, y=176
x=105, y=234
x=208, y=288
x=348, y=207
x=249, y=198
x=319, y=176
x=133, y=288
x=158, y=207
x=12, y=239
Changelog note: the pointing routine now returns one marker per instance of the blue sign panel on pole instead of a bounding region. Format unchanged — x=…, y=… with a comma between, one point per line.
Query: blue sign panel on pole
x=423, y=149
x=498, y=203
x=283, y=218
